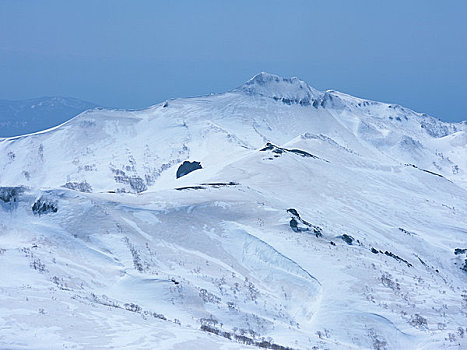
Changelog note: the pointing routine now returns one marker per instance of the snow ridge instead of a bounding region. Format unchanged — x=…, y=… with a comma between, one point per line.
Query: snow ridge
x=287, y=90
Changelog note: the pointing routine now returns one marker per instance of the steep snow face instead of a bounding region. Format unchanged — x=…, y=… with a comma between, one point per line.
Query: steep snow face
x=404, y=135
x=328, y=226
x=26, y=116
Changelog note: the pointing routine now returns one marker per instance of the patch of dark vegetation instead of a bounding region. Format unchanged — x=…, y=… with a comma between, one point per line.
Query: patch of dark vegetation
x=347, y=239
x=297, y=224
x=387, y=281
x=11, y=155
x=132, y=307
x=187, y=167
x=464, y=268
x=209, y=297
x=374, y=251
x=379, y=343
x=79, y=186
x=332, y=243
x=37, y=265
x=136, y=183
x=137, y=263
x=406, y=232
x=34, y=261
x=10, y=195
x=209, y=329
x=418, y=321
x=43, y=206
x=60, y=283
x=242, y=339
x=280, y=150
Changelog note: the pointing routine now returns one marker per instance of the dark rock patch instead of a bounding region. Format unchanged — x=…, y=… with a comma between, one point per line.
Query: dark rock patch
x=294, y=212
x=432, y=173
x=294, y=225
x=421, y=261
x=190, y=188
x=280, y=150
x=460, y=251
x=204, y=186
x=187, y=167
x=347, y=239
x=270, y=147
x=426, y=171
x=398, y=258
x=10, y=194
x=297, y=224
x=302, y=153
x=44, y=206
x=294, y=101
x=394, y=256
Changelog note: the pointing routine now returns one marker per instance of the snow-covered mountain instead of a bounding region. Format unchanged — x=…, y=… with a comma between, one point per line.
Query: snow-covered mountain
x=20, y=117
x=273, y=216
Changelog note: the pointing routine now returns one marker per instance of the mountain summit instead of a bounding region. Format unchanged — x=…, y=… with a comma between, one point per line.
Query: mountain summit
x=287, y=90
x=271, y=216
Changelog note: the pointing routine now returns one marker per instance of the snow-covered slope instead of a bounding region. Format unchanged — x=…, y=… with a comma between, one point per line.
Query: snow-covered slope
x=272, y=216
x=20, y=117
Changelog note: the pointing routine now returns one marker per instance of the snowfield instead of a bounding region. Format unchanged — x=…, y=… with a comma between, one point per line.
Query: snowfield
x=271, y=216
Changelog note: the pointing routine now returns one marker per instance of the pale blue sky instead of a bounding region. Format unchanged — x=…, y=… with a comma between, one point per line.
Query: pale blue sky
x=131, y=54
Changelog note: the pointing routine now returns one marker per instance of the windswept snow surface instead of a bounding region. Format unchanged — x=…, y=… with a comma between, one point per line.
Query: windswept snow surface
x=317, y=221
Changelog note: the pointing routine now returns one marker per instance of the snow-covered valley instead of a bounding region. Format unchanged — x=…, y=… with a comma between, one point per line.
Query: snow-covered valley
x=271, y=216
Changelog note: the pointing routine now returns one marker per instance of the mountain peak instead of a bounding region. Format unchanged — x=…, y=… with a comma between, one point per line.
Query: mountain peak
x=288, y=90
